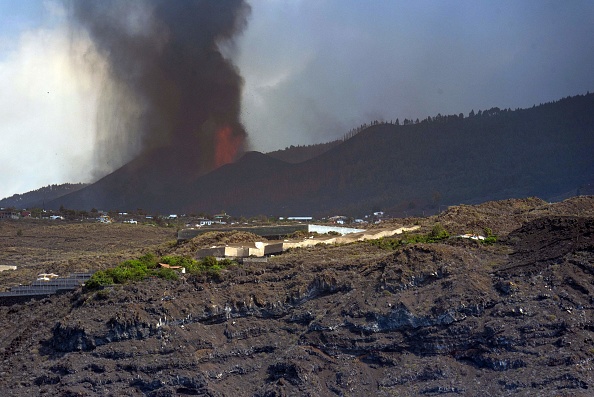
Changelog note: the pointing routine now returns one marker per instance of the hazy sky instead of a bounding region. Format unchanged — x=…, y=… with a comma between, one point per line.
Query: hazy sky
x=313, y=69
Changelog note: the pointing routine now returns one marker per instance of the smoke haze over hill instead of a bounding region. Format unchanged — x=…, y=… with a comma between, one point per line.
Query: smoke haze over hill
x=343, y=62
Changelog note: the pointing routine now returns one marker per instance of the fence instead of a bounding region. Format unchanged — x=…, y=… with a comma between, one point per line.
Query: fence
x=48, y=287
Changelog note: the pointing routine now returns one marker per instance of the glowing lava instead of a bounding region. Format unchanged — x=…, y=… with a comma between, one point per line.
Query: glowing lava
x=227, y=145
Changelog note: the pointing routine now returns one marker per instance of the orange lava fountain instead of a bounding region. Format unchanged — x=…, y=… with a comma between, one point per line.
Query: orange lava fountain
x=227, y=146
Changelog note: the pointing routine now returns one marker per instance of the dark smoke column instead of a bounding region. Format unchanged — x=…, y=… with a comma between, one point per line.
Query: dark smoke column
x=169, y=94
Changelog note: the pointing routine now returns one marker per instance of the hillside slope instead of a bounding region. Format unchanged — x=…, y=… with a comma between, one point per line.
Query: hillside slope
x=544, y=151
x=38, y=197
x=454, y=317
x=299, y=154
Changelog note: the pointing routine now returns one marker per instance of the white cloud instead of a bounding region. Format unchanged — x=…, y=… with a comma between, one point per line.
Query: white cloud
x=47, y=111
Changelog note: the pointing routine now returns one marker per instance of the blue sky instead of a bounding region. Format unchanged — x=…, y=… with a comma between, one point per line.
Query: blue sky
x=19, y=15
x=313, y=69
x=16, y=17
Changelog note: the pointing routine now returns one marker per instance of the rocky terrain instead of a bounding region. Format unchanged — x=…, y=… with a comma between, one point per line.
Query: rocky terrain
x=454, y=317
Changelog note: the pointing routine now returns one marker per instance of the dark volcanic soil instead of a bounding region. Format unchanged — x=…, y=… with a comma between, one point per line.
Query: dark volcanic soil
x=61, y=247
x=454, y=318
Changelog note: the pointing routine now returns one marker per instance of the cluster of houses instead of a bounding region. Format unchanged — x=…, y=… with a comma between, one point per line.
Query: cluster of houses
x=8, y=213
x=13, y=214
x=341, y=220
x=189, y=221
x=49, y=283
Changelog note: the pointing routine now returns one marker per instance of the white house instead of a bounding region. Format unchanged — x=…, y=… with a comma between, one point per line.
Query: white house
x=300, y=218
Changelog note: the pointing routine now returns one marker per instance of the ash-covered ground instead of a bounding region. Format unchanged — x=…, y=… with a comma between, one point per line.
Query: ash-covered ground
x=454, y=317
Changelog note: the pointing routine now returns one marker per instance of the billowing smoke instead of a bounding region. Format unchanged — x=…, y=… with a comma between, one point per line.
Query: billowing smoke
x=168, y=89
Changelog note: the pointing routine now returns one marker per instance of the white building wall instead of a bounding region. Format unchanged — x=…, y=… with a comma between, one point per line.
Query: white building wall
x=325, y=229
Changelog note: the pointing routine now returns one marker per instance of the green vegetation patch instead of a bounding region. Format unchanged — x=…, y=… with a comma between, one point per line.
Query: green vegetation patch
x=438, y=233
x=148, y=266
x=208, y=266
x=490, y=238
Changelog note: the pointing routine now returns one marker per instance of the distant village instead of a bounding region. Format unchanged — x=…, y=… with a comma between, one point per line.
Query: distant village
x=179, y=220
x=275, y=232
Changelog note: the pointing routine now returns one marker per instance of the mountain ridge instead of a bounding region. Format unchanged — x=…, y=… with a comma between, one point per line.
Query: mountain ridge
x=37, y=197
x=540, y=151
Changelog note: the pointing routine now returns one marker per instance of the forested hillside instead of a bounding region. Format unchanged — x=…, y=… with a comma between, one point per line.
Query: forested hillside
x=415, y=167
x=406, y=168
x=36, y=198
x=299, y=154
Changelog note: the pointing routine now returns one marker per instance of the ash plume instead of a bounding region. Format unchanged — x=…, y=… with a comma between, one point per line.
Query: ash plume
x=168, y=91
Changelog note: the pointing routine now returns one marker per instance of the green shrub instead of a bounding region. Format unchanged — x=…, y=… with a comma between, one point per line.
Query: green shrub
x=133, y=264
x=391, y=243
x=210, y=267
x=210, y=261
x=438, y=232
x=128, y=272
x=182, y=261
x=148, y=266
x=387, y=243
x=489, y=240
x=149, y=260
x=167, y=274
x=227, y=262
x=98, y=280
